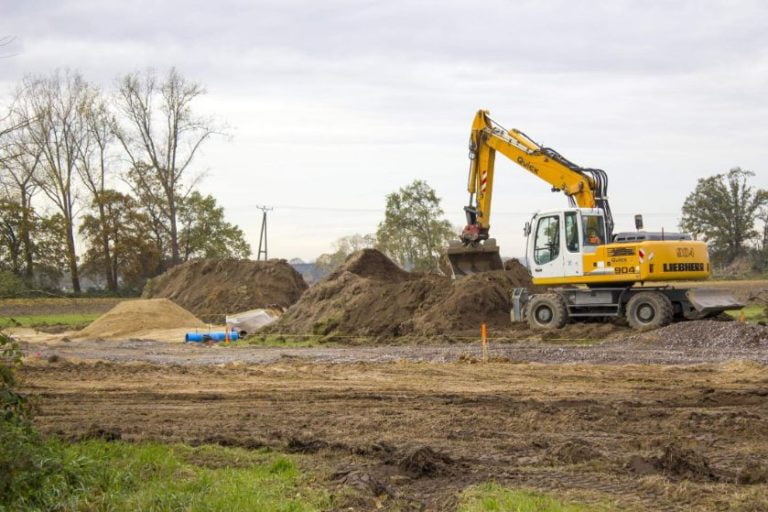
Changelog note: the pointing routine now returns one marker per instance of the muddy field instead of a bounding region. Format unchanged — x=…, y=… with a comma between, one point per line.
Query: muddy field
x=406, y=435
x=672, y=419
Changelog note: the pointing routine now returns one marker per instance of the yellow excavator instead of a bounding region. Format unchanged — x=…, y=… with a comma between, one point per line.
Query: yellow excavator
x=595, y=272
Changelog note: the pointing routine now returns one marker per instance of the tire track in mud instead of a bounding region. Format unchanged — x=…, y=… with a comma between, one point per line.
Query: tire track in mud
x=550, y=427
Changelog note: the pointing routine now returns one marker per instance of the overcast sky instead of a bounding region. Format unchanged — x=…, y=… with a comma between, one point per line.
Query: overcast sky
x=332, y=104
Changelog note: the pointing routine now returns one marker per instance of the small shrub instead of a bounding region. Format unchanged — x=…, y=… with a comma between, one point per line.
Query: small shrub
x=11, y=285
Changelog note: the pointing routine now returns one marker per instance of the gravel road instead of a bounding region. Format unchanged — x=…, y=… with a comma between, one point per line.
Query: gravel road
x=611, y=352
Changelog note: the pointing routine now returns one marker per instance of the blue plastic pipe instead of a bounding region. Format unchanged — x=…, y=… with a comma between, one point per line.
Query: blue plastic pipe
x=194, y=337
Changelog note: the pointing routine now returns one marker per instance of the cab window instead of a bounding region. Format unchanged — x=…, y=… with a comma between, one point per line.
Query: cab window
x=547, y=243
x=594, y=229
x=571, y=232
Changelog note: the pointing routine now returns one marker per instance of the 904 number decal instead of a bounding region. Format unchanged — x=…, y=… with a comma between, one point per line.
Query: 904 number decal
x=625, y=270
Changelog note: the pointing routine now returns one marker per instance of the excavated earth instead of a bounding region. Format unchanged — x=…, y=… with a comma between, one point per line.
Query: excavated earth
x=212, y=289
x=369, y=296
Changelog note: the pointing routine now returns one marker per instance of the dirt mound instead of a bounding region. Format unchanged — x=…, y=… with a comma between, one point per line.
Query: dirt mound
x=369, y=296
x=372, y=264
x=424, y=461
x=708, y=334
x=573, y=452
x=675, y=462
x=361, y=480
x=213, y=288
x=130, y=318
x=752, y=473
x=685, y=463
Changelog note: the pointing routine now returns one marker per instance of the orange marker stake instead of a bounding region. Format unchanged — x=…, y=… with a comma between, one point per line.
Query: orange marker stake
x=484, y=337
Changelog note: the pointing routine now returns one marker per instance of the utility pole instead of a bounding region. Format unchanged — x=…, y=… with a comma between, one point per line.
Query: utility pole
x=263, y=235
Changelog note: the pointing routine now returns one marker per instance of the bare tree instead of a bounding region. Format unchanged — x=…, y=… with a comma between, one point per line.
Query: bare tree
x=54, y=110
x=93, y=165
x=161, y=135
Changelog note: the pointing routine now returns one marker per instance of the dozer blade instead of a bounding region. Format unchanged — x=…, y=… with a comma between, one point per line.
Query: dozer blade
x=709, y=301
x=468, y=259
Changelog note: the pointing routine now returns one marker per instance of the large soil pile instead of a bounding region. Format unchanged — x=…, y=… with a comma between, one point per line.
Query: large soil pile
x=132, y=318
x=212, y=289
x=370, y=296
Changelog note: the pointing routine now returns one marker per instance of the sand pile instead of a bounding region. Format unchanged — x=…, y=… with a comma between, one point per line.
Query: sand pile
x=212, y=289
x=370, y=296
x=134, y=318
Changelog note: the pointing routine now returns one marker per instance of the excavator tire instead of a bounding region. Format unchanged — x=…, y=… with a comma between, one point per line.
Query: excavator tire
x=547, y=311
x=649, y=310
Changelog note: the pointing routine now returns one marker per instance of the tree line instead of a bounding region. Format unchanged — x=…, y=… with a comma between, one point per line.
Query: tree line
x=413, y=233
x=731, y=215
x=724, y=210
x=112, y=168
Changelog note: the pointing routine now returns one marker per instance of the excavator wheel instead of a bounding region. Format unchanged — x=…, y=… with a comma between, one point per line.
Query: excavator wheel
x=649, y=310
x=547, y=311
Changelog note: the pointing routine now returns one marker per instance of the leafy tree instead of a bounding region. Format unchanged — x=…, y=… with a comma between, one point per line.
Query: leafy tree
x=11, y=226
x=413, y=232
x=19, y=161
x=204, y=232
x=760, y=253
x=47, y=242
x=723, y=209
x=344, y=246
x=118, y=219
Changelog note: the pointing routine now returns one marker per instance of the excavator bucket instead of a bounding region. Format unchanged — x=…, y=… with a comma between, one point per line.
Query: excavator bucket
x=709, y=301
x=468, y=259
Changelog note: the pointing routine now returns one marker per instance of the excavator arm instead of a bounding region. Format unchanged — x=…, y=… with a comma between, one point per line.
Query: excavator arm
x=584, y=187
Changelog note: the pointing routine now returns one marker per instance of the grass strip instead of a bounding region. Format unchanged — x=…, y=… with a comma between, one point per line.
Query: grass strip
x=491, y=497
x=71, y=319
x=119, y=476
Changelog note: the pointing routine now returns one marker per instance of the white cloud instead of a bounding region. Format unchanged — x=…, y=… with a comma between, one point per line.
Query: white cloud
x=335, y=104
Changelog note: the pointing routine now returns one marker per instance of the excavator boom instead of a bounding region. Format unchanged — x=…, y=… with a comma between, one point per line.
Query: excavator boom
x=586, y=188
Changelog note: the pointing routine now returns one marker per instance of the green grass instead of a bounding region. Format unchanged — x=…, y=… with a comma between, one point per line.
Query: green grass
x=71, y=319
x=118, y=476
x=752, y=313
x=492, y=497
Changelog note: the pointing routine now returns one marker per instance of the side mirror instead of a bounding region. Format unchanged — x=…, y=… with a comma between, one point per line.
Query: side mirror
x=639, y=222
x=527, y=229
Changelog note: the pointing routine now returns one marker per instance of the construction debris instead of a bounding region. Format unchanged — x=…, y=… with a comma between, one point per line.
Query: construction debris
x=211, y=289
x=251, y=321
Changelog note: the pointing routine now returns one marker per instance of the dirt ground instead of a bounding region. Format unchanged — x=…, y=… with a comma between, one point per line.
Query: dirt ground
x=407, y=428
x=673, y=419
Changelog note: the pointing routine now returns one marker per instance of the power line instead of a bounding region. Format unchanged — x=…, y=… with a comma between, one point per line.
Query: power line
x=382, y=210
